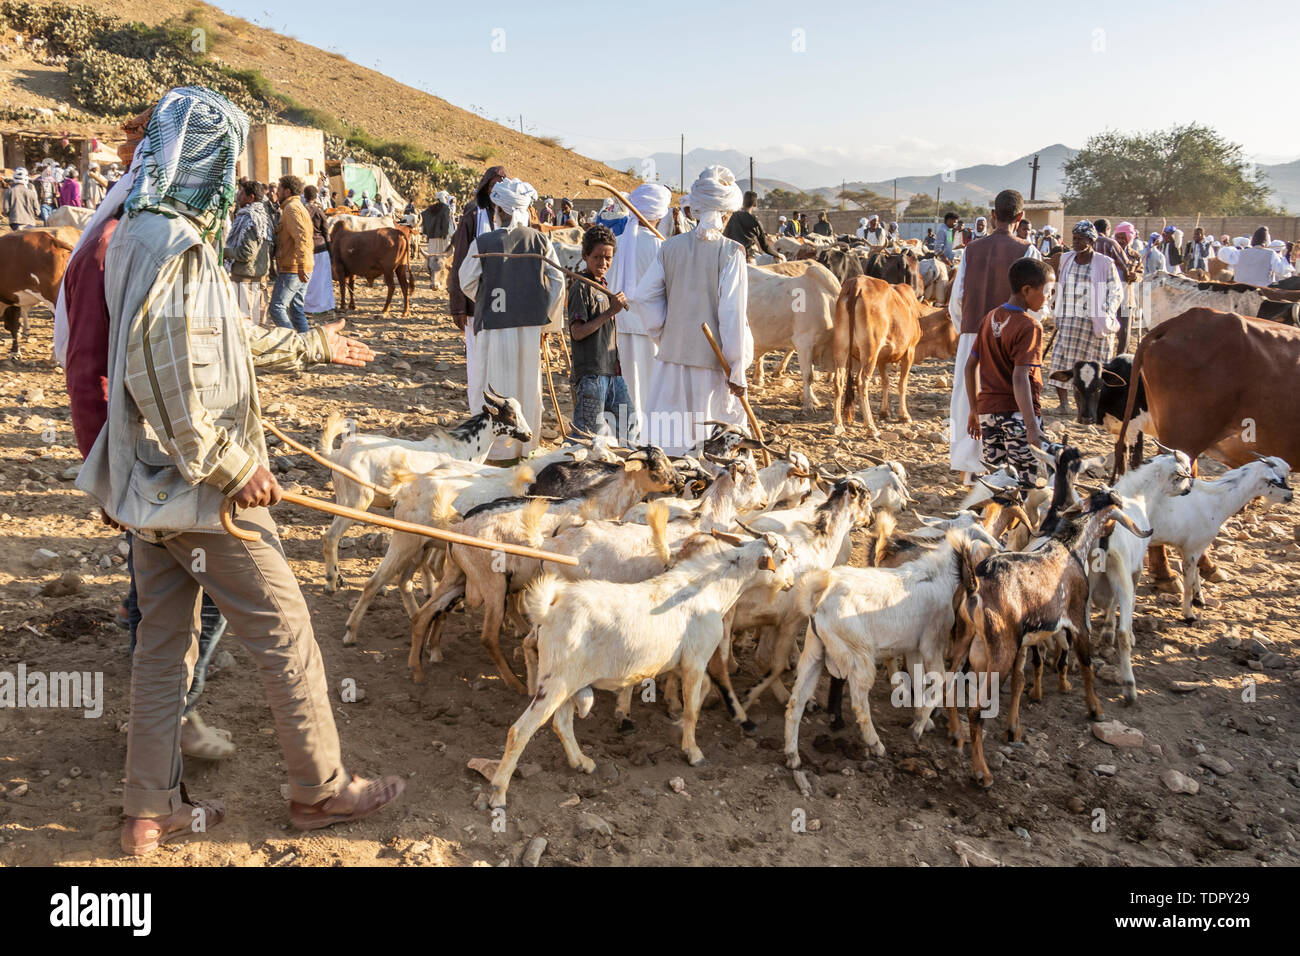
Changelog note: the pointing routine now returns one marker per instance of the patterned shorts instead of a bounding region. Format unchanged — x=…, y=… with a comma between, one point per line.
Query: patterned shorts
x=1005, y=443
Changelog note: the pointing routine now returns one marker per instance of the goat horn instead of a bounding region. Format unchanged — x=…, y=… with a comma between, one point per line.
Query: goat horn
x=734, y=540
x=1018, y=513
x=1130, y=524
x=872, y=458
x=984, y=481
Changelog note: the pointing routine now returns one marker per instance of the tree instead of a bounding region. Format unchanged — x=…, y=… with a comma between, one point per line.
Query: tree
x=866, y=199
x=921, y=206
x=1175, y=172
x=790, y=199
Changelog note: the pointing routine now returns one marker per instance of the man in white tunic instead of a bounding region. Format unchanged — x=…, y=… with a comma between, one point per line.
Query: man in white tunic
x=637, y=250
x=1261, y=265
x=697, y=277
x=514, y=298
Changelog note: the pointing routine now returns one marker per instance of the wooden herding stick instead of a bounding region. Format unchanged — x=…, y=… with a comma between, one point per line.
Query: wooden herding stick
x=321, y=459
x=744, y=399
x=626, y=202
x=396, y=525
x=550, y=384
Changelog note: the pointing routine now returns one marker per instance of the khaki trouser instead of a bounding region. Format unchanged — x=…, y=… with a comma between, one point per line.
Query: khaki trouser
x=253, y=586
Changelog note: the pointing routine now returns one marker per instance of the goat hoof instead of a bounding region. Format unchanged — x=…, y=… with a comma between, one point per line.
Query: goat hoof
x=1013, y=742
x=1198, y=601
x=586, y=765
x=1189, y=618
x=749, y=728
x=876, y=750
x=497, y=800
x=792, y=761
x=349, y=639
x=1130, y=694
x=625, y=726
x=695, y=759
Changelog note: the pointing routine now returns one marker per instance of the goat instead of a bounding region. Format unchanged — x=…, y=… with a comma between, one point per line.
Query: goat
x=488, y=578
x=736, y=490
x=594, y=635
x=1115, y=584
x=376, y=458
x=858, y=616
x=1017, y=600
x=1190, y=522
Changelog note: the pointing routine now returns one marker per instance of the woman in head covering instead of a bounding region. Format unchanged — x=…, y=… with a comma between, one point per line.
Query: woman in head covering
x=514, y=299
x=698, y=276
x=96, y=187
x=70, y=188
x=1259, y=265
x=1087, y=300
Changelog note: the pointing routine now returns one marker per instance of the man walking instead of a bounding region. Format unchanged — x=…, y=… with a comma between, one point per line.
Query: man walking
x=744, y=228
x=248, y=250
x=21, y=205
x=293, y=257
x=182, y=439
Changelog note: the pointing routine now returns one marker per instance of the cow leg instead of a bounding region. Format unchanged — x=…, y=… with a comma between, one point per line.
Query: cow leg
x=884, y=391
x=12, y=323
x=839, y=382
x=759, y=381
x=1158, y=564
x=864, y=404
x=904, y=371
x=408, y=287
x=805, y=351
x=389, y=281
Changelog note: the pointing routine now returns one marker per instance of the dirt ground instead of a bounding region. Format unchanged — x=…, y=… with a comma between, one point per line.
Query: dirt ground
x=61, y=774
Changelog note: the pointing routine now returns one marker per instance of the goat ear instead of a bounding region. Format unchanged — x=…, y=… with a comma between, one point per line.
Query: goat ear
x=1042, y=456
x=734, y=540
x=767, y=563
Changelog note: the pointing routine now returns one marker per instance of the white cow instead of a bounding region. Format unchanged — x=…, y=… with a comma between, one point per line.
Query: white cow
x=787, y=312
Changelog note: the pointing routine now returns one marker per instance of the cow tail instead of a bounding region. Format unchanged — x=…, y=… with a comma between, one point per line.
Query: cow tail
x=1134, y=381
x=851, y=306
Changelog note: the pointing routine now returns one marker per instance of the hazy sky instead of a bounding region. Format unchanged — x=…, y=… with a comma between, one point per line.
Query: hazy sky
x=905, y=87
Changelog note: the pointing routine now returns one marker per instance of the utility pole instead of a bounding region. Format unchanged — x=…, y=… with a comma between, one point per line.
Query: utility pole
x=1033, y=183
x=751, y=175
x=844, y=187
x=895, y=199
x=521, y=122
x=681, y=169
x=937, y=191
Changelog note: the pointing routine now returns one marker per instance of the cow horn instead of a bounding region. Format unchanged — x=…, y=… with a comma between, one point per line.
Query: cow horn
x=872, y=458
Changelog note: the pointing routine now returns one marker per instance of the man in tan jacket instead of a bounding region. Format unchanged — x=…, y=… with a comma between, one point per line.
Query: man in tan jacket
x=293, y=257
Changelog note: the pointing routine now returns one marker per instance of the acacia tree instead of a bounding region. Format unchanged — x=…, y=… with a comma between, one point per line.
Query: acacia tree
x=789, y=199
x=1174, y=172
x=922, y=205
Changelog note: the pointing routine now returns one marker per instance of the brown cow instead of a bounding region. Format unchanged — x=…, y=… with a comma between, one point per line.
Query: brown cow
x=1219, y=384
x=371, y=254
x=938, y=337
x=32, y=262
x=879, y=325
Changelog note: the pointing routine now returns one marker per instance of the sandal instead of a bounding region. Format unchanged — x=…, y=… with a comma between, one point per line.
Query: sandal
x=359, y=799
x=142, y=835
x=204, y=742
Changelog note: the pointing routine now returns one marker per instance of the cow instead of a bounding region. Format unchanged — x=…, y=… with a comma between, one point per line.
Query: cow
x=1165, y=295
x=1217, y=384
x=895, y=267
x=358, y=223
x=1220, y=271
x=32, y=262
x=569, y=234
x=842, y=263
x=938, y=337
x=792, y=311
x=369, y=255
x=1100, y=395
x=935, y=279
x=568, y=255
x=75, y=217
x=439, y=266
x=1291, y=284
x=878, y=323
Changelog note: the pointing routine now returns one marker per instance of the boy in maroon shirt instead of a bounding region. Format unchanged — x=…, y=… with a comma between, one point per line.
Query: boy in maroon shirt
x=1004, y=372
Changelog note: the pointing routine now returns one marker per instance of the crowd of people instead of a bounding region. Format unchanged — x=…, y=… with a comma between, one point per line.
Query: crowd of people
x=31, y=196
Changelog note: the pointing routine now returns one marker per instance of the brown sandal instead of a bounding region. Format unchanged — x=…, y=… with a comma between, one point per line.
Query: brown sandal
x=143, y=835
x=369, y=796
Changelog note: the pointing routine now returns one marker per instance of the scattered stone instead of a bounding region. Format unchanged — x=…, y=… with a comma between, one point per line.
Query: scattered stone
x=33, y=396
x=480, y=801
x=1258, y=635
x=70, y=473
x=74, y=772
x=917, y=766
x=1106, y=769
x=589, y=821
x=483, y=765
x=1179, y=782
x=1184, y=686
x=973, y=857
x=677, y=785
x=571, y=802
x=70, y=582
x=1117, y=735
x=906, y=824
x=528, y=770
x=814, y=825
x=418, y=847
x=17, y=791
x=533, y=854
x=1273, y=662
x=1217, y=764
x=1022, y=833
x=1077, y=805
x=401, y=366
x=43, y=558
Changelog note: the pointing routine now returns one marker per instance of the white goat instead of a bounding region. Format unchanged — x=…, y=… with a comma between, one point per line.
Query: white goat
x=594, y=635
x=377, y=458
x=1190, y=522
x=859, y=616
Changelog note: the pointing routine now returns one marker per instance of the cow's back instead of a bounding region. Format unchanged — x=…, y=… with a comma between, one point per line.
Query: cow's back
x=32, y=252
x=1222, y=381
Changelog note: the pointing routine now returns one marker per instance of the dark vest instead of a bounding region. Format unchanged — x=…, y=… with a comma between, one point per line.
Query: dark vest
x=986, y=284
x=512, y=293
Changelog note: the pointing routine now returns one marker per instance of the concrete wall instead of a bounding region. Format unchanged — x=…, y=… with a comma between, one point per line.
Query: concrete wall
x=1280, y=227
x=270, y=145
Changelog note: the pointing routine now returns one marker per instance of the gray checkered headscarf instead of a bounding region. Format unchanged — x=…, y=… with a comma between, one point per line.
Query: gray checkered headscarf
x=192, y=142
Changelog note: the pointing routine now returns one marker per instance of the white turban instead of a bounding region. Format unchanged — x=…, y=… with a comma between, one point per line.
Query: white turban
x=515, y=197
x=1277, y=244
x=20, y=175
x=715, y=192
x=861, y=222
x=1241, y=242
x=651, y=200
x=781, y=219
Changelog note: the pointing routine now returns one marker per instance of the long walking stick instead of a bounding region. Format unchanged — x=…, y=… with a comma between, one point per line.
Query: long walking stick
x=626, y=202
x=396, y=525
x=321, y=459
x=550, y=384
x=744, y=399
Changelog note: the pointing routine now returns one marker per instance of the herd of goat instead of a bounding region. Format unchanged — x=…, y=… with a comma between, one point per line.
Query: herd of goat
x=680, y=556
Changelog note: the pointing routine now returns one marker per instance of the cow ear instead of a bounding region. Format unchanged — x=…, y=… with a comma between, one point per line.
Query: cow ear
x=1061, y=375
x=1111, y=378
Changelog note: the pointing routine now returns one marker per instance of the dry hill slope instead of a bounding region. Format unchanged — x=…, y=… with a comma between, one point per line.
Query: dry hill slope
x=377, y=103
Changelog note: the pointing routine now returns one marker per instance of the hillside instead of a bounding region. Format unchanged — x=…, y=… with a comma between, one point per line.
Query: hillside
x=1284, y=179
x=354, y=95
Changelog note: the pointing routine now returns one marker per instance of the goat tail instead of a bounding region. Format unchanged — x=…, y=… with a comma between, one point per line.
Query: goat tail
x=968, y=559
x=811, y=589
x=885, y=526
x=443, y=513
x=524, y=476
x=335, y=425
x=531, y=518
x=656, y=517
x=401, y=476
x=540, y=597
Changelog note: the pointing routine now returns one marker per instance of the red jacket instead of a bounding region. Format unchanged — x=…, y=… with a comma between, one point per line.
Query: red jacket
x=86, y=370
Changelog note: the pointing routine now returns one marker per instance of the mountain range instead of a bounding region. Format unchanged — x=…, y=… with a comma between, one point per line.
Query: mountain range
x=977, y=184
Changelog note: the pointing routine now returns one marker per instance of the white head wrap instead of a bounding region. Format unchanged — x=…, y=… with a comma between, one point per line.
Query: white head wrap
x=651, y=200
x=1241, y=242
x=515, y=197
x=781, y=219
x=1278, y=244
x=861, y=222
x=20, y=175
x=58, y=174
x=715, y=192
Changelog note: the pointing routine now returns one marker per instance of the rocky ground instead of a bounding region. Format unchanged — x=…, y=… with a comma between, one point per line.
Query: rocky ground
x=1216, y=712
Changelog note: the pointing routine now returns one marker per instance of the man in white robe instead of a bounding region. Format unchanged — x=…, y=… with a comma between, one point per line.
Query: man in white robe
x=636, y=251
x=697, y=277
x=519, y=299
